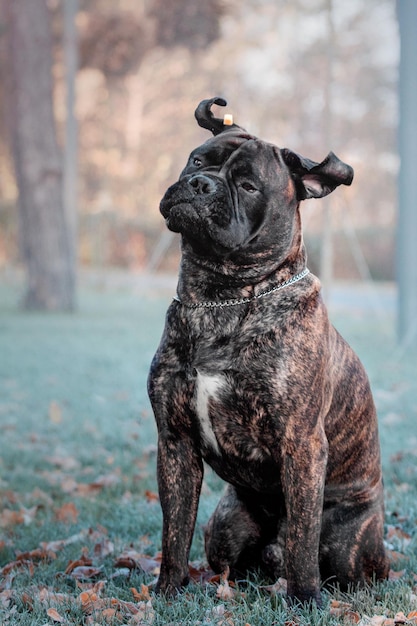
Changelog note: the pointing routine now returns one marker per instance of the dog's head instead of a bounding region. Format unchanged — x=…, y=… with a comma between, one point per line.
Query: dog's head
x=239, y=195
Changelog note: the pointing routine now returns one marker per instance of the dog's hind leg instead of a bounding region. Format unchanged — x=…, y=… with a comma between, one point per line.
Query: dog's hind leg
x=237, y=535
x=231, y=535
x=351, y=549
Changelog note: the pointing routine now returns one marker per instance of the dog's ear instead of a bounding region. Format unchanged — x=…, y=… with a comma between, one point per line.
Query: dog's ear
x=315, y=180
x=206, y=119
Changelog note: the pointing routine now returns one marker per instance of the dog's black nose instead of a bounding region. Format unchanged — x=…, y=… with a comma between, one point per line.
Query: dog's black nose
x=202, y=184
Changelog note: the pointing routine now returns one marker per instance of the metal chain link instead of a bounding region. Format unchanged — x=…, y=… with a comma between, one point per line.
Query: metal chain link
x=226, y=303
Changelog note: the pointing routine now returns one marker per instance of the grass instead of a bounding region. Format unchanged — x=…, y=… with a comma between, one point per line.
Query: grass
x=77, y=461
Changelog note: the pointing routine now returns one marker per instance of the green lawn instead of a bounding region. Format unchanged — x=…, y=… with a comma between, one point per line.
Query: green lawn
x=77, y=461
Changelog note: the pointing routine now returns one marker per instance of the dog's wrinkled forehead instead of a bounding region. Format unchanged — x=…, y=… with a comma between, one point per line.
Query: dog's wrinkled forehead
x=215, y=152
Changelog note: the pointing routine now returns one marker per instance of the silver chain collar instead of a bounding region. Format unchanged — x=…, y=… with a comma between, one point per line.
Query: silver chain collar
x=225, y=303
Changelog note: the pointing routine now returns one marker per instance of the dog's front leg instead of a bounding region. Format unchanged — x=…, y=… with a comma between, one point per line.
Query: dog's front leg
x=303, y=481
x=180, y=473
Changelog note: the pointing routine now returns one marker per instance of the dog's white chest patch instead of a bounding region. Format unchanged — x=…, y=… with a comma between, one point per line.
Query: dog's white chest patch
x=207, y=388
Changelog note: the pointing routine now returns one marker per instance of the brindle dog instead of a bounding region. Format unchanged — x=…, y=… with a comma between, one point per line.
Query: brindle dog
x=252, y=378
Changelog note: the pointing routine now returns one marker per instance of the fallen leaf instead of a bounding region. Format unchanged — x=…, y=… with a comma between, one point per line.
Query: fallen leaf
x=395, y=556
x=54, y=615
x=10, y=517
x=133, y=560
x=5, y=598
x=16, y=565
x=67, y=463
x=201, y=573
x=151, y=496
x=379, y=620
x=83, y=560
x=398, y=534
x=53, y=597
x=87, y=599
x=142, y=595
x=84, y=572
x=39, y=554
x=396, y=575
x=412, y=617
x=103, y=548
x=58, y=544
x=224, y=591
x=67, y=513
x=55, y=412
x=278, y=588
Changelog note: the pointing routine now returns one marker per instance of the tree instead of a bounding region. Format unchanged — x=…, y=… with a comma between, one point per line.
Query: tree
x=45, y=238
x=407, y=220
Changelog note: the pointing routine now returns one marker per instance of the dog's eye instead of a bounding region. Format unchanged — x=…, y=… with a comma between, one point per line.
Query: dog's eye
x=196, y=162
x=248, y=187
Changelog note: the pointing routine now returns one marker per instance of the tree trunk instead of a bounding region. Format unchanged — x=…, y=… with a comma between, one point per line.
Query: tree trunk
x=44, y=234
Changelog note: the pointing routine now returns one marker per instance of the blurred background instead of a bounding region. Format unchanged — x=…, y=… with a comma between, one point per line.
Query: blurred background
x=96, y=110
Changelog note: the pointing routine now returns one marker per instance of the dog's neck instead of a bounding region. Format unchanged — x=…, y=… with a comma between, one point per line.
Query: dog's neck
x=204, y=279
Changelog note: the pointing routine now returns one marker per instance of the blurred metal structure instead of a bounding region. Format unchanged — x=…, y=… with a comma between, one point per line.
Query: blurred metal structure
x=326, y=253
x=71, y=127
x=407, y=217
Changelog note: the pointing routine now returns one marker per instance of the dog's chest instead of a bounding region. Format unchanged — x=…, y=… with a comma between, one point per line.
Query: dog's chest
x=207, y=393
x=232, y=420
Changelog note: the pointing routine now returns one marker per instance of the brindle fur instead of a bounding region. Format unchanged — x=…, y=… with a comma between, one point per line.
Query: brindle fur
x=293, y=416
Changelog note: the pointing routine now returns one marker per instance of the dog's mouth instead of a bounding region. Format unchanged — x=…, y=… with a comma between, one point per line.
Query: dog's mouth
x=209, y=223
x=206, y=234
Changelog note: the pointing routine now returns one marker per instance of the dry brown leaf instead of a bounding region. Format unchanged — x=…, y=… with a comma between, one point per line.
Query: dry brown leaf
x=69, y=485
x=39, y=494
x=39, y=554
x=87, y=599
x=224, y=591
x=83, y=560
x=9, y=517
x=54, y=615
x=132, y=560
x=14, y=565
x=55, y=412
x=45, y=595
x=112, y=616
x=412, y=617
x=201, y=573
x=57, y=545
x=103, y=548
x=144, y=614
x=380, y=620
x=67, y=513
x=345, y=610
x=395, y=556
x=278, y=588
x=5, y=597
x=396, y=575
x=142, y=595
x=66, y=463
x=151, y=496
x=395, y=532
x=85, y=572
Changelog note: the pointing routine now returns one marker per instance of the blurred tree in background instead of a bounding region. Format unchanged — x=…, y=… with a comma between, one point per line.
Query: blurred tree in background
x=44, y=235
x=144, y=66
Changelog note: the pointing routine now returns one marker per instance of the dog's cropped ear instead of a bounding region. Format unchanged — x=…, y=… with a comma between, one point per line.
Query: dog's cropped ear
x=315, y=180
x=206, y=119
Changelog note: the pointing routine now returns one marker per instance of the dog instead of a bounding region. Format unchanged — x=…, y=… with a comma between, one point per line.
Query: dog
x=251, y=377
